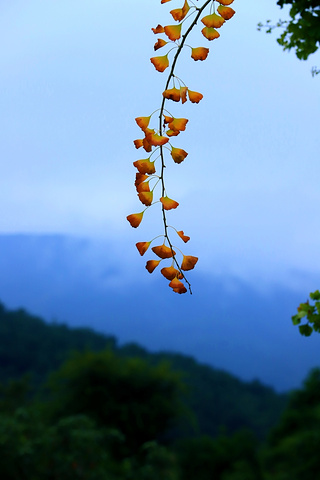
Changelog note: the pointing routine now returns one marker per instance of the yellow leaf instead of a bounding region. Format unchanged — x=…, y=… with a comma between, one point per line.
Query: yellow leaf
x=160, y=63
x=135, y=219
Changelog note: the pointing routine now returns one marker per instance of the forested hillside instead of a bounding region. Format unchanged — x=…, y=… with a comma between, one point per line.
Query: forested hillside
x=74, y=405
x=218, y=399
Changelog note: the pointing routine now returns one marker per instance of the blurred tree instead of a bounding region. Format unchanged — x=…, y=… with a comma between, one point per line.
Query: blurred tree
x=139, y=400
x=224, y=458
x=74, y=448
x=293, y=446
x=302, y=32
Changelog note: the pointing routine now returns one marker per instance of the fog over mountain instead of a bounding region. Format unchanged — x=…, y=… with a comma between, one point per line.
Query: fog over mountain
x=228, y=322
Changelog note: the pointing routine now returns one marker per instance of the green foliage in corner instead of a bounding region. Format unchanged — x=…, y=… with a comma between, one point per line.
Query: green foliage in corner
x=309, y=312
x=302, y=32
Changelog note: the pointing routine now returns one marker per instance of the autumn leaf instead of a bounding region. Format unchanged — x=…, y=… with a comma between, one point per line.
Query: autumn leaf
x=183, y=94
x=172, y=133
x=170, y=273
x=160, y=63
x=180, y=13
x=152, y=264
x=177, y=286
x=167, y=119
x=158, y=29
x=226, y=12
x=138, y=143
x=143, y=187
x=178, y=154
x=146, y=198
x=145, y=166
x=188, y=262
x=178, y=124
x=140, y=177
x=172, y=94
x=143, y=122
x=184, y=237
x=210, y=33
x=163, y=251
x=143, y=247
x=135, y=219
x=168, y=203
x=146, y=145
x=173, y=32
x=225, y=2
x=213, y=21
x=199, y=53
x=159, y=44
x=154, y=139
x=194, y=97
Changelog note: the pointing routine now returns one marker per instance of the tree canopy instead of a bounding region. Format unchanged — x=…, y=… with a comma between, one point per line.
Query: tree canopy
x=302, y=31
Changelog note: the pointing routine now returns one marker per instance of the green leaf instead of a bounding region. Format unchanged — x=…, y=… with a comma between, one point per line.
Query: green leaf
x=296, y=320
x=305, y=330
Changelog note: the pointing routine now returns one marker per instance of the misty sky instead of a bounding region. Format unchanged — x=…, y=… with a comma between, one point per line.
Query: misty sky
x=74, y=75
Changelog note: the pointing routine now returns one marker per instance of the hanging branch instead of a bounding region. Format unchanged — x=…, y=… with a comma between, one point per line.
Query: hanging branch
x=157, y=140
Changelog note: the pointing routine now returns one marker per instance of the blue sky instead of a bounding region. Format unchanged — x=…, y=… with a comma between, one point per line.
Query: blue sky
x=74, y=77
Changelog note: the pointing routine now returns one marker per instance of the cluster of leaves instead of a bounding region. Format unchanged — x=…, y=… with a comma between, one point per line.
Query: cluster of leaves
x=311, y=313
x=302, y=31
x=157, y=139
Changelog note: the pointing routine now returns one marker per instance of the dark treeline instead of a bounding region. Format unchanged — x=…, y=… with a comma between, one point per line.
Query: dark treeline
x=73, y=404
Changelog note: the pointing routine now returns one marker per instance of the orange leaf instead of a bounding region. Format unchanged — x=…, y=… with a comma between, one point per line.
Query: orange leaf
x=142, y=247
x=173, y=32
x=178, y=124
x=225, y=2
x=143, y=187
x=167, y=119
x=163, y=251
x=213, y=21
x=199, y=53
x=177, y=286
x=146, y=198
x=143, y=122
x=180, y=13
x=170, y=273
x=146, y=145
x=158, y=29
x=160, y=63
x=195, y=97
x=135, y=219
x=172, y=133
x=188, y=262
x=210, y=33
x=152, y=264
x=165, y=1
x=140, y=177
x=168, y=203
x=172, y=94
x=226, y=12
x=183, y=94
x=178, y=154
x=138, y=143
x=155, y=139
x=145, y=166
x=159, y=44
x=184, y=237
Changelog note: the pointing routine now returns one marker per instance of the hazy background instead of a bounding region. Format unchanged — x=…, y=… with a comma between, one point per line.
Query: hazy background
x=73, y=78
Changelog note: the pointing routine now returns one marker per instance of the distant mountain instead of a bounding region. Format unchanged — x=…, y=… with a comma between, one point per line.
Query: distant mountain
x=228, y=323
x=218, y=399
